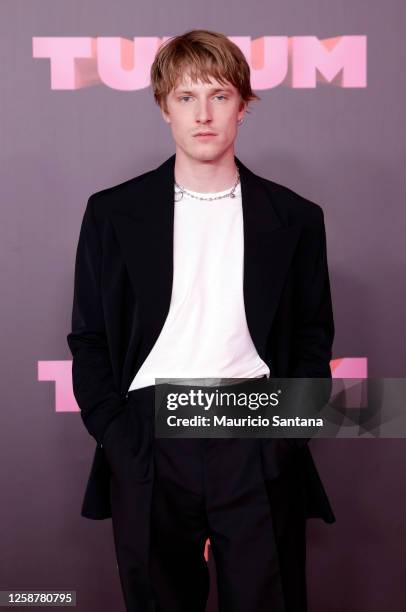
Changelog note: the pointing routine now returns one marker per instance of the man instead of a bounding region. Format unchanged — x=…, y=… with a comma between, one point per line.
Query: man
x=200, y=268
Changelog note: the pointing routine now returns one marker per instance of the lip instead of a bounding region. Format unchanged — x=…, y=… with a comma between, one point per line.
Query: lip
x=205, y=135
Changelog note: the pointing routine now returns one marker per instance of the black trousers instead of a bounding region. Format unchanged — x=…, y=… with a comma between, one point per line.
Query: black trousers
x=205, y=488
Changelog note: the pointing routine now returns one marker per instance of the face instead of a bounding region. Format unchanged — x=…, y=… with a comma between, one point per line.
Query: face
x=212, y=108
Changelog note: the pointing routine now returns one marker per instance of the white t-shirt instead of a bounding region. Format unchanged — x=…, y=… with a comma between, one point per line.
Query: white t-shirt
x=205, y=334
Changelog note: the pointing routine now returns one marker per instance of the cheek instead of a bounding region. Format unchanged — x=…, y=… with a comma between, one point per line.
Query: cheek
x=179, y=128
x=177, y=131
x=231, y=128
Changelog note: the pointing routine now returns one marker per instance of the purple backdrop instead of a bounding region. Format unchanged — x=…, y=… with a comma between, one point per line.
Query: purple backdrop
x=340, y=146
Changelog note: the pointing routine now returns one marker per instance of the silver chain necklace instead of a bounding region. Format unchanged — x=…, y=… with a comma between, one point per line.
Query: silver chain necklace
x=182, y=190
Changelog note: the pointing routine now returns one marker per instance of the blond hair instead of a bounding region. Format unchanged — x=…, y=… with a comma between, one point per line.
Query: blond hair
x=202, y=54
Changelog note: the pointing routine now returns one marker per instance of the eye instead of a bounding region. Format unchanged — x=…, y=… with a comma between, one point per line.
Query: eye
x=182, y=98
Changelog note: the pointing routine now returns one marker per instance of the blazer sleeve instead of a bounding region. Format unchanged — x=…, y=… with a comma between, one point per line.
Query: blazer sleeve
x=313, y=324
x=92, y=376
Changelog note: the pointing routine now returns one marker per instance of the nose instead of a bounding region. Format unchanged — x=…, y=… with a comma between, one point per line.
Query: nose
x=203, y=112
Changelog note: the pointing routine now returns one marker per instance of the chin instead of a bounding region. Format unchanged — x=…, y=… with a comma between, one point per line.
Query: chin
x=210, y=154
x=203, y=155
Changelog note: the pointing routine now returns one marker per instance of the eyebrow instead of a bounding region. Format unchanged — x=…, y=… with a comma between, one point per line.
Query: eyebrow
x=213, y=90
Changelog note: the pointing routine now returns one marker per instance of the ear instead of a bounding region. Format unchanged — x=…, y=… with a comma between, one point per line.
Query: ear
x=165, y=115
x=164, y=110
x=242, y=109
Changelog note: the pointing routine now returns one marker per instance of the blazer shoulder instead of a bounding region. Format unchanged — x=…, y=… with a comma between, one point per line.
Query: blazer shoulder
x=295, y=207
x=103, y=201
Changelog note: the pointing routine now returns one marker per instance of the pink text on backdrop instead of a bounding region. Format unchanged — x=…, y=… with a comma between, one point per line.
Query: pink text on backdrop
x=124, y=64
x=60, y=373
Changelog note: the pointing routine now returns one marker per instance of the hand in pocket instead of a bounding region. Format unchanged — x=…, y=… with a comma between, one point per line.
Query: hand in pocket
x=115, y=432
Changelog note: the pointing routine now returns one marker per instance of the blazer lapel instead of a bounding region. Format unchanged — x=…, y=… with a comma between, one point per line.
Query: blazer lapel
x=144, y=222
x=269, y=244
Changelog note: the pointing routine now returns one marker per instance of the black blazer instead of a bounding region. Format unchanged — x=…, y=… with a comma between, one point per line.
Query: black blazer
x=122, y=291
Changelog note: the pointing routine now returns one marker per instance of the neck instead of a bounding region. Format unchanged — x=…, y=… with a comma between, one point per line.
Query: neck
x=205, y=176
